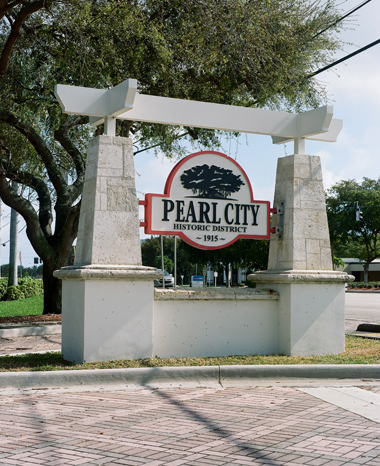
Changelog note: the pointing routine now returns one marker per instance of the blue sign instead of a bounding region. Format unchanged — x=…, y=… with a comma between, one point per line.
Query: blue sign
x=197, y=278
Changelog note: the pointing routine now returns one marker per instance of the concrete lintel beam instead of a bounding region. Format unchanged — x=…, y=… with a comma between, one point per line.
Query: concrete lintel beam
x=191, y=113
x=98, y=103
x=330, y=136
x=122, y=102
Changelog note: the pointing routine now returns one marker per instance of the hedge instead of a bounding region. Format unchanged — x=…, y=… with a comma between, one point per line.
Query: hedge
x=26, y=288
x=362, y=285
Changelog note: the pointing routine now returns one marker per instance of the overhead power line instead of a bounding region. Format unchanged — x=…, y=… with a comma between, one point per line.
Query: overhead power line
x=23, y=228
x=342, y=18
x=372, y=44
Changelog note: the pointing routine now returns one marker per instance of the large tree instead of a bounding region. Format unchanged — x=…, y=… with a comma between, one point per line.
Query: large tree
x=353, y=212
x=249, y=53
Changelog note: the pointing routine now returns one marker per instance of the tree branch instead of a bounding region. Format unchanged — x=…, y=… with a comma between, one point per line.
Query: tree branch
x=39, y=186
x=25, y=208
x=15, y=33
x=62, y=136
x=160, y=144
x=39, y=145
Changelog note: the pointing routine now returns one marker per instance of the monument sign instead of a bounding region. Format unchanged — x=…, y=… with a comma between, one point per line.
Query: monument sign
x=110, y=307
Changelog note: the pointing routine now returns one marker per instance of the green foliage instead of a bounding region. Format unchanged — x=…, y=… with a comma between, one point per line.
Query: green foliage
x=360, y=285
x=13, y=293
x=30, y=287
x=338, y=262
x=168, y=263
x=3, y=287
x=256, y=53
x=350, y=237
x=26, y=288
x=244, y=253
x=23, y=272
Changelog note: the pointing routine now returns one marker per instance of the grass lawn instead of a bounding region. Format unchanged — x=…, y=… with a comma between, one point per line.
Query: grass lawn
x=22, y=307
x=358, y=351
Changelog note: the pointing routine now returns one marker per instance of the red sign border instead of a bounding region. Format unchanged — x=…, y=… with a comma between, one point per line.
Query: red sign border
x=169, y=181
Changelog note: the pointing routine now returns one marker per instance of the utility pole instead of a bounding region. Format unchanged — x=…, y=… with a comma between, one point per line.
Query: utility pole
x=13, y=245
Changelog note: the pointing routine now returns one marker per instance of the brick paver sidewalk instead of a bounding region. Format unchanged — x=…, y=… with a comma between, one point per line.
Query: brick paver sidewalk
x=198, y=427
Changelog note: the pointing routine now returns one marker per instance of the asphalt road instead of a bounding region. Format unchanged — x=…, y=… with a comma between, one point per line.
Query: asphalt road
x=363, y=306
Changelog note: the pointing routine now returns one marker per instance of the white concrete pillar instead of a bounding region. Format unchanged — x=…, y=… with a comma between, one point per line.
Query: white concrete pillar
x=108, y=296
x=311, y=306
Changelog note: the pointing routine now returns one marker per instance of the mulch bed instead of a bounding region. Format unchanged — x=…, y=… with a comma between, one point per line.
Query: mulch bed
x=23, y=319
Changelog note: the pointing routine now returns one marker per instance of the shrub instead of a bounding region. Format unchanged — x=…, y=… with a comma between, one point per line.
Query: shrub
x=3, y=287
x=13, y=293
x=27, y=288
x=30, y=287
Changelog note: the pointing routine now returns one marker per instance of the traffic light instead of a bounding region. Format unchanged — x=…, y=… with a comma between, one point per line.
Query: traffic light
x=359, y=214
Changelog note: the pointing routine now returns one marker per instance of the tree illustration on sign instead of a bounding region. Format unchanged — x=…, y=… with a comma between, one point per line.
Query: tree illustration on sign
x=211, y=182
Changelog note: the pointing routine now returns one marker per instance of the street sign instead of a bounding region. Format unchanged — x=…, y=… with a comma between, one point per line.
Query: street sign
x=208, y=202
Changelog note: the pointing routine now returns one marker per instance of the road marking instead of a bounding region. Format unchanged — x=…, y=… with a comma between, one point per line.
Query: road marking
x=353, y=399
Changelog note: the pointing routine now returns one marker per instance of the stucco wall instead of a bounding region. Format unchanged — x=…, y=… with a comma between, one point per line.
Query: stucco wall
x=214, y=322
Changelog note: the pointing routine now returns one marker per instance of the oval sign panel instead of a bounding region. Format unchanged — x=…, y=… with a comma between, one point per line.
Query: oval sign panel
x=208, y=202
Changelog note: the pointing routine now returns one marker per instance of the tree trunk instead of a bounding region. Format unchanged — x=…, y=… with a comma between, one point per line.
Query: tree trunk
x=235, y=276
x=365, y=269
x=52, y=288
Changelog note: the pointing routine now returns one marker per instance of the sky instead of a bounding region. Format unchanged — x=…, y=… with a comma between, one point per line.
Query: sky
x=353, y=88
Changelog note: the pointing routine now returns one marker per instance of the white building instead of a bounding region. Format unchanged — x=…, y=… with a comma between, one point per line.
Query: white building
x=355, y=267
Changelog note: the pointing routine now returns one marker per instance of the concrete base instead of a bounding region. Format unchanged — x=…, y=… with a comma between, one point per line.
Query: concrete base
x=107, y=313
x=311, y=310
x=214, y=322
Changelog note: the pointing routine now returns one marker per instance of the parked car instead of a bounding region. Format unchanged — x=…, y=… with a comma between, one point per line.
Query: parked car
x=169, y=280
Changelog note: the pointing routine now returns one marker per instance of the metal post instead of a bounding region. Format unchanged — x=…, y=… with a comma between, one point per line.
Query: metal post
x=299, y=146
x=175, y=261
x=162, y=261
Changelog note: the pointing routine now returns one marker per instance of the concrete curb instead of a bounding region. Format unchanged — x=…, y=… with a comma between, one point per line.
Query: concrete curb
x=30, y=331
x=180, y=376
x=124, y=377
x=363, y=291
x=235, y=374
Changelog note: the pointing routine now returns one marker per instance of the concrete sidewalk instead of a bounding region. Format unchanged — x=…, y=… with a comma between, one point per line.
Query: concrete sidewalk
x=12, y=345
